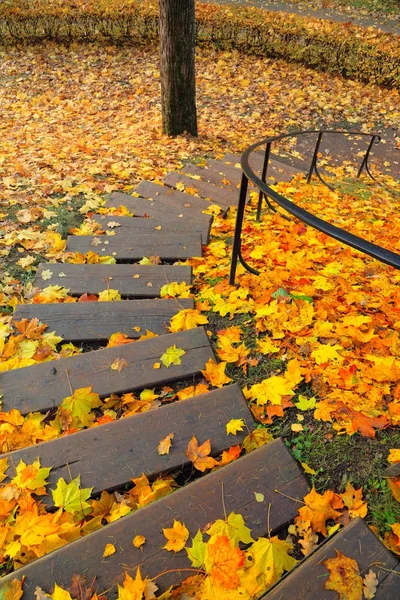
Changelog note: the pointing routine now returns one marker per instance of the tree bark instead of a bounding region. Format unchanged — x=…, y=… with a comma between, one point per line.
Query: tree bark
x=177, y=66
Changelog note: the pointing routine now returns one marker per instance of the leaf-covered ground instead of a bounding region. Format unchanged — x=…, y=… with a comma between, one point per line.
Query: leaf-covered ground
x=313, y=341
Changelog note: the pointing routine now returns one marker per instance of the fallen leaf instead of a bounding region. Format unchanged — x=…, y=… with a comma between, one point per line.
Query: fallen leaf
x=370, y=585
x=165, y=444
x=138, y=541
x=109, y=550
x=172, y=356
x=234, y=425
x=344, y=577
x=118, y=364
x=199, y=455
x=177, y=536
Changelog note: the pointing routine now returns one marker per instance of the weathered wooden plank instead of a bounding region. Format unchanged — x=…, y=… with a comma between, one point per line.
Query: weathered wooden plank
x=393, y=470
x=230, y=488
x=93, y=279
x=389, y=587
x=87, y=321
x=44, y=386
x=215, y=177
x=231, y=172
x=140, y=224
x=155, y=191
x=161, y=206
x=109, y=456
x=277, y=169
x=134, y=246
x=217, y=195
x=357, y=541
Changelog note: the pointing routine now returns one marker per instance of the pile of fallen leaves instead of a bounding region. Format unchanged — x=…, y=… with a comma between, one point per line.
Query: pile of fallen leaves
x=363, y=53
x=323, y=316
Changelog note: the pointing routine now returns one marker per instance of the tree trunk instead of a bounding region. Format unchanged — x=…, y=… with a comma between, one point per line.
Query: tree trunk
x=177, y=66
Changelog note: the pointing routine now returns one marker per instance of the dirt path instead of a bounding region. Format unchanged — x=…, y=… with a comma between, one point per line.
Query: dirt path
x=386, y=24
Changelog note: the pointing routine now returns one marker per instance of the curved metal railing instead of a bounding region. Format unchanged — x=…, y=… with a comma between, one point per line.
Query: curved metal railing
x=267, y=193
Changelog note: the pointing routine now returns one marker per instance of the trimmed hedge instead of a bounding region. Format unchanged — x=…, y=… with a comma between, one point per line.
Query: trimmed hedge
x=345, y=49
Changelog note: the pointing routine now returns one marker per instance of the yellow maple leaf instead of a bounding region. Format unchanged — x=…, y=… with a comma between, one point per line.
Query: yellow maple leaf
x=215, y=373
x=31, y=477
x=109, y=550
x=233, y=528
x=394, y=455
x=148, y=395
x=177, y=535
x=256, y=439
x=132, y=589
x=234, y=425
x=187, y=319
x=270, y=390
x=3, y=468
x=325, y=353
x=60, y=594
x=108, y=295
x=172, y=290
x=172, y=356
x=344, y=578
x=165, y=444
x=269, y=559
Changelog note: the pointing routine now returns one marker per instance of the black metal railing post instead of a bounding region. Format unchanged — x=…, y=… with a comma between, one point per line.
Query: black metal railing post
x=315, y=157
x=237, y=240
x=364, y=163
x=263, y=178
x=344, y=237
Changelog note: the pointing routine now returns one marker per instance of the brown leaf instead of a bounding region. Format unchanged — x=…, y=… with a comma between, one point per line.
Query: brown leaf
x=198, y=455
x=165, y=444
x=118, y=364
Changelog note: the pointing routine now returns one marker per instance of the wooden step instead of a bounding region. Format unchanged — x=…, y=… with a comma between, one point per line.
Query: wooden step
x=213, y=176
x=140, y=224
x=231, y=172
x=268, y=471
x=43, y=386
x=276, y=169
x=89, y=321
x=134, y=246
x=389, y=587
x=217, y=195
x=161, y=206
x=155, y=191
x=93, y=279
x=356, y=541
x=109, y=456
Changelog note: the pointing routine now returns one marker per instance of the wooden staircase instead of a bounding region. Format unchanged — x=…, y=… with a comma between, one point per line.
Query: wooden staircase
x=107, y=457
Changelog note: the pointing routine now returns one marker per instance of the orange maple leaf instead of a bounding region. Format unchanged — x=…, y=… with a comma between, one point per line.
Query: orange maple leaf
x=353, y=501
x=199, y=455
x=31, y=330
x=215, y=373
x=222, y=562
x=319, y=508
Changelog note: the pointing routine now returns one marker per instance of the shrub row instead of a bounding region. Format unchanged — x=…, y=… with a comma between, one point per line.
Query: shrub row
x=364, y=54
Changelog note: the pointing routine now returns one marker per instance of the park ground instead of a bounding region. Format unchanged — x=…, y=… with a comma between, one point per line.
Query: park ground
x=81, y=121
